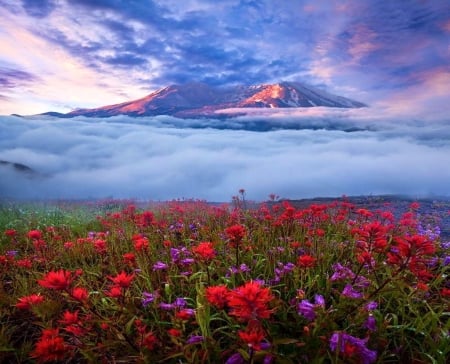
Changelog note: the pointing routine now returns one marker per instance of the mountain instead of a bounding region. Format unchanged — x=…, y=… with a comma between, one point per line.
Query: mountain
x=18, y=167
x=200, y=100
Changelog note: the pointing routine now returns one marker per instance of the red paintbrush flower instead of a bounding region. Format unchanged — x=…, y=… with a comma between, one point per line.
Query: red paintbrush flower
x=70, y=318
x=250, y=301
x=217, y=295
x=235, y=233
x=114, y=292
x=80, y=294
x=122, y=279
x=50, y=348
x=253, y=335
x=204, y=251
x=11, y=233
x=34, y=234
x=27, y=302
x=59, y=280
x=306, y=261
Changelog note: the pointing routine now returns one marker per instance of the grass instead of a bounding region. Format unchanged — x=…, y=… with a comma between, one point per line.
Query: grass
x=190, y=282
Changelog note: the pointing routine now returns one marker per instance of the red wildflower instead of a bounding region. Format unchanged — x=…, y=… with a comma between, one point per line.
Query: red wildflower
x=39, y=244
x=70, y=318
x=50, y=347
x=250, y=301
x=253, y=336
x=100, y=246
x=235, y=233
x=59, y=280
x=129, y=258
x=114, y=291
x=185, y=314
x=150, y=341
x=27, y=302
x=174, y=332
x=34, y=234
x=24, y=263
x=122, y=279
x=204, y=251
x=445, y=292
x=80, y=294
x=75, y=330
x=11, y=233
x=412, y=249
x=306, y=261
x=141, y=244
x=217, y=295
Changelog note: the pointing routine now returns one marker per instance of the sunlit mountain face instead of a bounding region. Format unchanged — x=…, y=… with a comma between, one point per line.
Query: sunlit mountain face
x=199, y=99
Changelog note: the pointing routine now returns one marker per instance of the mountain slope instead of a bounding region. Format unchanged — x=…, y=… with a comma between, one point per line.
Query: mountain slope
x=198, y=99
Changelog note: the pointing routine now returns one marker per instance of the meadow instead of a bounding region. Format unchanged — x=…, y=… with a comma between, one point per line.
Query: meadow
x=191, y=282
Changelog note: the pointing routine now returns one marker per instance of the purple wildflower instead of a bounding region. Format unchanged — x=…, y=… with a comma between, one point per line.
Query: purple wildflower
x=12, y=253
x=242, y=269
x=446, y=260
x=180, y=302
x=371, y=323
x=341, y=273
x=160, y=266
x=307, y=309
x=350, y=292
x=195, y=339
x=148, y=298
x=235, y=359
x=166, y=306
x=187, y=261
x=348, y=345
x=372, y=305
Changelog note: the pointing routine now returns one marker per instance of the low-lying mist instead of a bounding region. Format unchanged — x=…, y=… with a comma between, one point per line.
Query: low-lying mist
x=294, y=154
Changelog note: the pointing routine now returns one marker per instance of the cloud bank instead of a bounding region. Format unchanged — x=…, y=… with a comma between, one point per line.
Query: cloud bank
x=325, y=153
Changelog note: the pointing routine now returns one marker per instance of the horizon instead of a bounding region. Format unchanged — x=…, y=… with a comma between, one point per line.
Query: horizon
x=62, y=56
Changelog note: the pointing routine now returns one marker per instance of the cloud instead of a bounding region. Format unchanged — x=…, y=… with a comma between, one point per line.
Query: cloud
x=163, y=157
x=11, y=78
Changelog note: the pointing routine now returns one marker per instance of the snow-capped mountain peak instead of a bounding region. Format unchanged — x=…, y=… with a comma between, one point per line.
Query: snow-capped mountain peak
x=199, y=99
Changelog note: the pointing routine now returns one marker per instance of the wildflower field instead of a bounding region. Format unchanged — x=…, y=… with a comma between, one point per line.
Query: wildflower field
x=192, y=282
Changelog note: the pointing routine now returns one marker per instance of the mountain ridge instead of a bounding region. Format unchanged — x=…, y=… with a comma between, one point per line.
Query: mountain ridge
x=193, y=100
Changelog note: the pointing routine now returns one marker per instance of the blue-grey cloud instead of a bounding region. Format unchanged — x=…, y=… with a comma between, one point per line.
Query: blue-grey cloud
x=163, y=157
x=39, y=8
x=11, y=78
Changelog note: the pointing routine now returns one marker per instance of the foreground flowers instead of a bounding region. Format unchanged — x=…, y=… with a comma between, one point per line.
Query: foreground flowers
x=199, y=283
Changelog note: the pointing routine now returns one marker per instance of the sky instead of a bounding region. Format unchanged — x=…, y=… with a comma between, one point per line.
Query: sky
x=59, y=55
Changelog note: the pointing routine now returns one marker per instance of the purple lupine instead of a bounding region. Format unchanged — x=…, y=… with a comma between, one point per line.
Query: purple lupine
x=308, y=309
x=148, y=298
x=370, y=323
x=187, y=261
x=235, y=359
x=160, y=266
x=350, y=292
x=195, y=339
x=341, y=273
x=180, y=302
x=166, y=306
x=370, y=306
x=340, y=341
x=243, y=268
